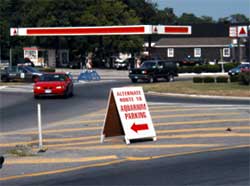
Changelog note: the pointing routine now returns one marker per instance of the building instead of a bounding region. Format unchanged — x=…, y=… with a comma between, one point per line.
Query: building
x=207, y=48
x=210, y=42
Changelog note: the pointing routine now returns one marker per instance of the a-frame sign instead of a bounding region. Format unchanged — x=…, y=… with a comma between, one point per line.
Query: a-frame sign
x=128, y=114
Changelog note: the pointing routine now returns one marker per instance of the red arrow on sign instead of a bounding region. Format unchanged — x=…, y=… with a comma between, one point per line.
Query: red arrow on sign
x=138, y=127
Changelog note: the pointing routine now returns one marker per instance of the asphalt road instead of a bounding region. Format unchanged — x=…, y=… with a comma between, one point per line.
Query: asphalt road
x=230, y=167
x=88, y=98
x=223, y=167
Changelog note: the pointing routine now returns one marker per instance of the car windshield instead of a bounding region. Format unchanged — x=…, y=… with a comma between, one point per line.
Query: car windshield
x=148, y=64
x=243, y=66
x=31, y=69
x=53, y=77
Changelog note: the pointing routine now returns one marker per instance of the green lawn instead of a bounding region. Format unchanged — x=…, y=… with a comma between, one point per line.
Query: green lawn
x=188, y=87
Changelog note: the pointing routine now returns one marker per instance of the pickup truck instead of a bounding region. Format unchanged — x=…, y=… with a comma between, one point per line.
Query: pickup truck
x=152, y=70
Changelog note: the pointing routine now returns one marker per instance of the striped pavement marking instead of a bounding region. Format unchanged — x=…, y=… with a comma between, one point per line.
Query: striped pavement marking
x=206, y=135
x=95, y=138
x=41, y=160
x=192, y=109
x=195, y=115
x=203, y=129
x=157, y=124
x=124, y=146
x=203, y=122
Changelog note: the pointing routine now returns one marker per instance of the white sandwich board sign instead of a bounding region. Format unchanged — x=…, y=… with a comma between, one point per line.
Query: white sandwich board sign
x=128, y=115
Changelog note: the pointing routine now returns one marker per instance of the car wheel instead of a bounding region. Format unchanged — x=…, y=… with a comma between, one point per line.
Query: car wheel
x=4, y=79
x=170, y=78
x=134, y=80
x=34, y=79
x=71, y=93
x=36, y=97
x=151, y=80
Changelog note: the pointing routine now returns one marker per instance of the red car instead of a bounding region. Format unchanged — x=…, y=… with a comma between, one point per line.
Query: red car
x=53, y=84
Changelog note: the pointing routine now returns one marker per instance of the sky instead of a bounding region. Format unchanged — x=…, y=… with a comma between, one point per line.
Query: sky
x=213, y=8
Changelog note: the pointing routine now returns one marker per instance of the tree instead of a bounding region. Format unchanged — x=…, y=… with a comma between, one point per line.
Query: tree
x=188, y=18
x=235, y=18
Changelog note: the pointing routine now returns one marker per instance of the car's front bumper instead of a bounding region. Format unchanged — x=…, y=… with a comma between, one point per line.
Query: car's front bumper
x=49, y=92
x=139, y=76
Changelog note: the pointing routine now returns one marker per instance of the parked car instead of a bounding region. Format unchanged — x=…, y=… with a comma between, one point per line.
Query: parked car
x=53, y=84
x=124, y=65
x=190, y=61
x=20, y=73
x=237, y=70
x=153, y=70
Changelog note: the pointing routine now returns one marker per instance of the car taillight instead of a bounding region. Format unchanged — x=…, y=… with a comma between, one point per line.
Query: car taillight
x=37, y=87
x=144, y=72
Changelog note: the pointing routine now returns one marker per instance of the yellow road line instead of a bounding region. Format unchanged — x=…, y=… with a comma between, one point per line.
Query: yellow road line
x=61, y=170
x=206, y=135
x=195, y=115
x=13, y=144
x=74, y=143
x=72, y=122
x=58, y=171
x=123, y=146
x=189, y=109
x=81, y=116
x=39, y=160
x=52, y=131
x=197, y=122
x=164, y=106
x=185, y=153
x=53, y=140
x=203, y=129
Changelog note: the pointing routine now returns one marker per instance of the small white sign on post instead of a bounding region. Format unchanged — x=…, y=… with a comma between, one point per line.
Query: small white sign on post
x=233, y=31
x=128, y=115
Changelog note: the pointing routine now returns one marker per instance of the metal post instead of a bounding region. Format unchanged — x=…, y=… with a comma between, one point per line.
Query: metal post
x=39, y=126
x=0, y=62
x=239, y=50
x=149, y=46
x=10, y=65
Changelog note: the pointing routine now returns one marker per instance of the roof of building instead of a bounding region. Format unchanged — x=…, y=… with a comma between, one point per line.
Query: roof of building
x=194, y=42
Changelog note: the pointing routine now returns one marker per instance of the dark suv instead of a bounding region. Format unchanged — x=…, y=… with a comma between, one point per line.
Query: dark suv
x=152, y=70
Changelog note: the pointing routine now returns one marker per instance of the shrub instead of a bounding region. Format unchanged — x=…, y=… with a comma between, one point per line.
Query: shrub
x=234, y=78
x=211, y=68
x=197, y=69
x=229, y=66
x=244, y=78
x=208, y=80
x=185, y=69
x=197, y=79
x=221, y=79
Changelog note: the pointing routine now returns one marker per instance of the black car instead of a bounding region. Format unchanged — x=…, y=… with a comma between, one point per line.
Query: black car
x=152, y=70
x=20, y=73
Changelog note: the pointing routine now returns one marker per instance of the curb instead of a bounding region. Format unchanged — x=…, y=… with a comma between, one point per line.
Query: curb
x=199, y=96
